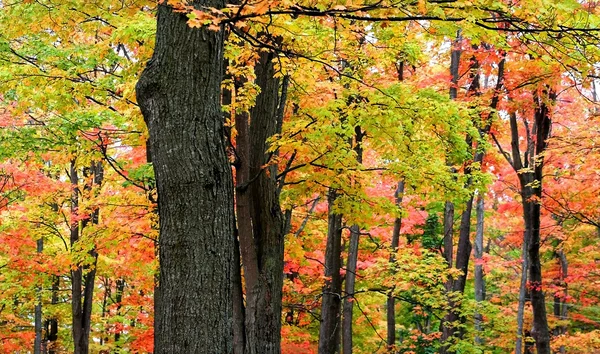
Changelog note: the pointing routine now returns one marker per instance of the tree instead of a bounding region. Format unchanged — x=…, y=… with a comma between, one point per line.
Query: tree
x=179, y=95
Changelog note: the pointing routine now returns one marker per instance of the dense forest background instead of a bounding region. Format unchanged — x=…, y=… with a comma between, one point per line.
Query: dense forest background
x=330, y=177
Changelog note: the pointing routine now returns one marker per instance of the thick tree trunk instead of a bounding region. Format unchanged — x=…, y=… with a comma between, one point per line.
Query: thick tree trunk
x=391, y=301
x=179, y=96
x=479, y=279
x=329, y=330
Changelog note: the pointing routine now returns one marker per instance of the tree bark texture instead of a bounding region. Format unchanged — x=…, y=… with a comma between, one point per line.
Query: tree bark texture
x=329, y=331
x=179, y=95
x=260, y=221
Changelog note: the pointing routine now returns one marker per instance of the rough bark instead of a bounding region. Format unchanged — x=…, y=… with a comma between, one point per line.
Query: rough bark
x=265, y=234
x=391, y=301
x=329, y=330
x=179, y=96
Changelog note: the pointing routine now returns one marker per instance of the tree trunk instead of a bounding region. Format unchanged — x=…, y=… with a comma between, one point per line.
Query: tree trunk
x=560, y=305
x=531, y=197
x=119, y=288
x=350, y=277
x=349, y=282
x=522, y=296
x=52, y=323
x=391, y=301
x=265, y=236
x=531, y=216
x=445, y=325
x=179, y=96
x=479, y=279
x=330, y=308
x=37, y=343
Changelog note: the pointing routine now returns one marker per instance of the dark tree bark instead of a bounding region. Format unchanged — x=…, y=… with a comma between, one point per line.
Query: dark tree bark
x=560, y=305
x=179, y=96
x=463, y=252
x=446, y=329
x=241, y=122
x=260, y=221
x=119, y=288
x=479, y=276
x=522, y=297
x=350, y=277
x=329, y=331
x=37, y=344
x=52, y=323
x=391, y=301
x=529, y=168
x=84, y=275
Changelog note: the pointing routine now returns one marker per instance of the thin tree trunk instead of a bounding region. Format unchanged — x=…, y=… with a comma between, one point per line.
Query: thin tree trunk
x=52, y=323
x=83, y=276
x=179, y=95
x=522, y=296
x=107, y=285
x=330, y=308
x=350, y=277
x=80, y=339
x=349, y=282
x=479, y=276
x=119, y=288
x=391, y=301
x=560, y=305
x=37, y=344
x=445, y=326
x=531, y=196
